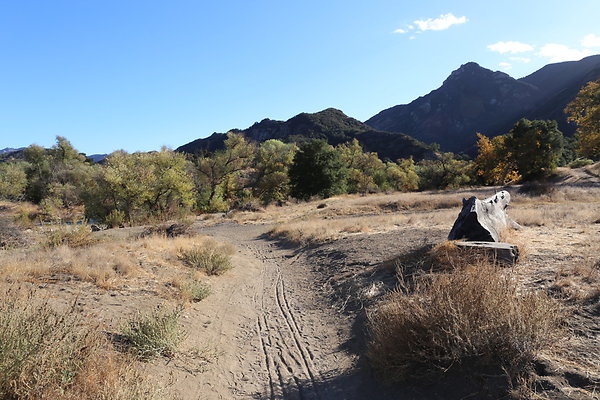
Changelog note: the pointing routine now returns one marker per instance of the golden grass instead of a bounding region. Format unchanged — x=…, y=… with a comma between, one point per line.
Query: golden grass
x=308, y=231
x=557, y=214
x=469, y=317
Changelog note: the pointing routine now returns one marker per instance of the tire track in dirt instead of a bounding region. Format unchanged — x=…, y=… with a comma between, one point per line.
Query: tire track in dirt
x=286, y=355
x=300, y=345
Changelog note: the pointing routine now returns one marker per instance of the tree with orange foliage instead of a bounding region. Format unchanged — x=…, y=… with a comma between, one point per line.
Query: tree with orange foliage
x=494, y=164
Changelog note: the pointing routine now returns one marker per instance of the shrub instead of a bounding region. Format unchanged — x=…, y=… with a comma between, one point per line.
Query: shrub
x=41, y=350
x=209, y=260
x=115, y=218
x=193, y=290
x=153, y=334
x=580, y=162
x=465, y=318
x=77, y=236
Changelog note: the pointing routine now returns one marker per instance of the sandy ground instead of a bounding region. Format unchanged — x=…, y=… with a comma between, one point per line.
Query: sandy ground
x=288, y=323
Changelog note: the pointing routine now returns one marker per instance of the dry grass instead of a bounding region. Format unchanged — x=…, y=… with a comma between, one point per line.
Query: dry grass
x=580, y=282
x=465, y=318
x=309, y=231
x=555, y=215
x=107, y=264
x=314, y=231
x=49, y=354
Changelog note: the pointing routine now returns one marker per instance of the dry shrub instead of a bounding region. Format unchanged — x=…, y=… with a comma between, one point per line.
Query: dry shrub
x=72, y=236
x=465, y=318
x=209, y=260
x=25, y=214
x=155, y=333
x=112, y=376
x=444, y=256
x=50, y=354
x=191, y=290
x=41, y=350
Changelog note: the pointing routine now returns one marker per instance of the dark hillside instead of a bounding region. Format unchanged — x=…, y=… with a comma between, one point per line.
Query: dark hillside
x=330, y=125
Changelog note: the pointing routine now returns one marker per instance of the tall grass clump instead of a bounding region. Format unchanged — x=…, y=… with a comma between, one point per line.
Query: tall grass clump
x=210, y=260
x=42, y=351
x=155, y=333
x=465, y=318
x=193, y=290
x=72, y=236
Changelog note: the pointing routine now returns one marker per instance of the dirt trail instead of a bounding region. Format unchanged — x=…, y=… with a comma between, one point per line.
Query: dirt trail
x=276, y=334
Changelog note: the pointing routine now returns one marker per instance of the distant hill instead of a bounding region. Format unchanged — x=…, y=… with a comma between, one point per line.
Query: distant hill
x=7, y=150
x=331, y=125
x=474, y=99
x=10, y=153
x=97, y=157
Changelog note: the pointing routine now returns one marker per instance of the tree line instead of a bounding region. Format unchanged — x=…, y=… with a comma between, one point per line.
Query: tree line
x=138, y=187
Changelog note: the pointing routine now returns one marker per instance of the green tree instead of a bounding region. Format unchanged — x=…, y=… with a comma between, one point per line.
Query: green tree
x=60, y=173
x=155, y=185
x=216, y=172
x=366, y=172
x=13, y=180
x=445, y=171
x=317, y=169
x=273, y=160
x=535, y=147
x=402, y=176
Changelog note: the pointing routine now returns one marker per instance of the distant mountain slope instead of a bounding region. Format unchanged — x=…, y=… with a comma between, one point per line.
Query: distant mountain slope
x=474, y=99
x=331, y=125
x=9, y=153
x=7, y=150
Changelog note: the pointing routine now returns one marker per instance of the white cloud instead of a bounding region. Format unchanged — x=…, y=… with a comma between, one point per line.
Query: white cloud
x=524, y=60
x=510, y=47
x=590, y=40
x=440, y=23
x=560, y=52
x=399, y=31
x=505, y=66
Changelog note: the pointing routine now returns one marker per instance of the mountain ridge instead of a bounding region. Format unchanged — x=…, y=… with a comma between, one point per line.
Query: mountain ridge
x=330, y=124
x=475, y=99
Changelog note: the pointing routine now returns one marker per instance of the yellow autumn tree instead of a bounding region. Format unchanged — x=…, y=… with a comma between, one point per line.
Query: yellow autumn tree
x=585, y=112
x=494, y=164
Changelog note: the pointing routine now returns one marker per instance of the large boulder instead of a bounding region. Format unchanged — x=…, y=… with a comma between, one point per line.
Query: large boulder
x=483, y=220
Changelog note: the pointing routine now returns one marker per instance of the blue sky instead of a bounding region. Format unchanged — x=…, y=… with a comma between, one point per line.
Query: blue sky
x=137, y=75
